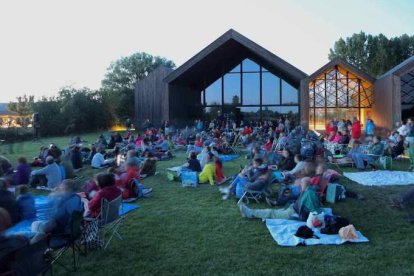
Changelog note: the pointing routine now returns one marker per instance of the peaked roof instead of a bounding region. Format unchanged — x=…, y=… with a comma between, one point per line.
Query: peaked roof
x=226, y=52
x=402, y=68
x=4, y=111
x=344, y=64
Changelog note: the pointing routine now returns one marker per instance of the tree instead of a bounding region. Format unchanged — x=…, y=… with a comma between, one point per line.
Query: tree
x=121, y=77
x=235, y=100
x=23, y=107
x=373, y=54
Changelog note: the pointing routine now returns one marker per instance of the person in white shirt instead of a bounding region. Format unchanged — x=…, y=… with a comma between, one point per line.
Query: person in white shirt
x=403, y=129
x=99, y=161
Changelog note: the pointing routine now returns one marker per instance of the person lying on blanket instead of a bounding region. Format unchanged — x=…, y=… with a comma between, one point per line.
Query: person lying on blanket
x=62, y=203
x=308, y=201
x=254, y=177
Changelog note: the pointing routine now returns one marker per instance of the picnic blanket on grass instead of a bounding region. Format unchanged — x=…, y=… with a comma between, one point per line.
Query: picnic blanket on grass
x=381, y=178
x=283, y=232
x=25, y=227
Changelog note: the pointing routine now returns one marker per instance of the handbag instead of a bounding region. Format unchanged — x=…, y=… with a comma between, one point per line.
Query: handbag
x=189, y=179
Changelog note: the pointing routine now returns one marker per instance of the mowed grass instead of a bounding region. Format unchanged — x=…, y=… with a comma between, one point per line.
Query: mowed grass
x=192, y=231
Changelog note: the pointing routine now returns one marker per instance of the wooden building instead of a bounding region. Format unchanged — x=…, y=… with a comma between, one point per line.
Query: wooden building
x=239, y=77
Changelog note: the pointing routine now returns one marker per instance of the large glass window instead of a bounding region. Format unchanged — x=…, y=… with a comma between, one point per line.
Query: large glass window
x=270, y=89
x=290, y=94
x=252, y=92
x=338, y=94
x=232, y=89
x=251, y=89
x=213, y=93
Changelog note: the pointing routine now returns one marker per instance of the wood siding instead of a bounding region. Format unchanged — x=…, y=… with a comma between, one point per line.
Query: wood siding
x=151, y=98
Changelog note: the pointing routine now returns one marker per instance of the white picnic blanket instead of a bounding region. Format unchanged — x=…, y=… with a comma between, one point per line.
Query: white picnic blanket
x=381, y=178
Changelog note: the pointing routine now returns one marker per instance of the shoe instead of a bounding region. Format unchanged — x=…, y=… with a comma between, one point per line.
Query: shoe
x=224, y=190
x=226, y=197
x=222, y=181
x=147, y=191
x=245, y=211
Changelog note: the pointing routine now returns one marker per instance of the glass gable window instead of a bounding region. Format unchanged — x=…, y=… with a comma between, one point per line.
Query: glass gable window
x=338, y=94
x=213, y=93
x=253, y=92
x=232, y=90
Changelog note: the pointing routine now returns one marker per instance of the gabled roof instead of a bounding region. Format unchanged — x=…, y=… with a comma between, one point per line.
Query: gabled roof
x=342, y=63
x=226, y=52
x=401, y=69
x=4, y=111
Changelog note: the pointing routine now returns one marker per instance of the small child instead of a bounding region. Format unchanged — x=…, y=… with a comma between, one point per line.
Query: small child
x=26, y=204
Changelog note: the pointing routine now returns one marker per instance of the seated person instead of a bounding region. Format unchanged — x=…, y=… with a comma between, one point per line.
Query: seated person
x=337, y=138
x=282, y=141
x=149, y=166
x=26, y=203
x=307, y=202
x=193, y=164
x=54, y=151
x=23, y=171
x=374, y=151
x=76, y=157
x=355, y=149
x=220, y=178
x=8, y=201
x=316, y=180
x=99, y=161
x=248, y=174
x=131, y=157
x=300, y=165
x=129, y=182
x=107, y=190
x=203, y=156
x=208, y=174
x=49, y=175
x=286, y=163
x=397, y=148
x=6, y=167
x=63, y=202
x=269, y=144
x=345, y=138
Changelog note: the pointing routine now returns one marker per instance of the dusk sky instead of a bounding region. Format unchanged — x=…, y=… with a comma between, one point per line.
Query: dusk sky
x=46, y=45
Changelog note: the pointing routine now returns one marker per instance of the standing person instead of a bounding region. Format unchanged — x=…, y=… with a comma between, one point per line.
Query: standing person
x=369, y=127
x=356, y=128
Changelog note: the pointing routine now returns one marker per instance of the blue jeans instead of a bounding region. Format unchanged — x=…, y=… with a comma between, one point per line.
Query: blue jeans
x=238, y=183
x=360, y=157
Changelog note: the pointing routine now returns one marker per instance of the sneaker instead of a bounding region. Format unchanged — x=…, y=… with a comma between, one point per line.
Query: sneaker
x=146, y=191
x=222, y=181
x=224, y=190
x=226, y=197
x=245, y=211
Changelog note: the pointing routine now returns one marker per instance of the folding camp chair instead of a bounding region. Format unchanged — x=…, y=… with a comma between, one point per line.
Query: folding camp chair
x=60, y=243
x=257, y=195
x=110, y=220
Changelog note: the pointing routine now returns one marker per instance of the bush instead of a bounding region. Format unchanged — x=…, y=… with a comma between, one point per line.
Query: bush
x=15, y=134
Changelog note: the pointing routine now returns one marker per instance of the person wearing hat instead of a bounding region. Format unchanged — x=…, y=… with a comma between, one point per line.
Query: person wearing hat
x=49, y=175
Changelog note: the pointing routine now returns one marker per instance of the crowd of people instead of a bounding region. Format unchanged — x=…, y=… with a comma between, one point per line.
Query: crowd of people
x=292, y=156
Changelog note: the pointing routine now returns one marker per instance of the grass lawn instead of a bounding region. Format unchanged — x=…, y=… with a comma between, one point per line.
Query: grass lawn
x=192, y=231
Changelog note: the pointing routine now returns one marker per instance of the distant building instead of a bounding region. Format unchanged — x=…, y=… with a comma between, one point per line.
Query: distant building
x=239, y=77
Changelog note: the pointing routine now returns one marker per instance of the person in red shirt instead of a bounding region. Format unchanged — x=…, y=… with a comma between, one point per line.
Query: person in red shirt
x=108, y=191
x=268, y=146
x=356, y=128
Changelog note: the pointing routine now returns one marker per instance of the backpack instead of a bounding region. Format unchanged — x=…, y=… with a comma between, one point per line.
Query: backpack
x=132, y=187
x=335, y=192
x=189, y=179
x=385, y=162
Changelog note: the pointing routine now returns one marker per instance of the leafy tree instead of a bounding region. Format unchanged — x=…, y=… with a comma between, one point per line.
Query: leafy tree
x=121, y=77
x=373, y=54
x=235, y=100
x=24, y=108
